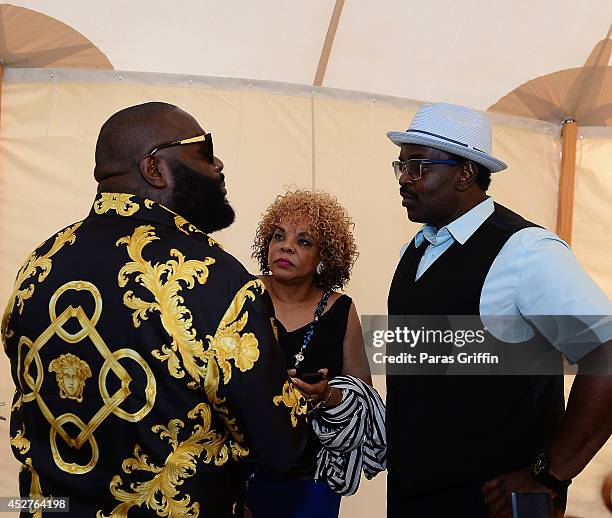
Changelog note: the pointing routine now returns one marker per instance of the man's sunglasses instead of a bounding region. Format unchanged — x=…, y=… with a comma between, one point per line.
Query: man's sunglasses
x=206, y=139
x=415, y=167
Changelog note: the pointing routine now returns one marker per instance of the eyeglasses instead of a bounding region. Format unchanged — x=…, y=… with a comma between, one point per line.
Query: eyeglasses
x=206, y=138
x=415, y=167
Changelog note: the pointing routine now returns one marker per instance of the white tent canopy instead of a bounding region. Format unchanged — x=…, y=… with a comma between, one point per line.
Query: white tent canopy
x=471, y=53
x=301, y=94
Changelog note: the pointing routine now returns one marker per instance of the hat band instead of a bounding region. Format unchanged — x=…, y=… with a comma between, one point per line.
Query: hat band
x=445, y=138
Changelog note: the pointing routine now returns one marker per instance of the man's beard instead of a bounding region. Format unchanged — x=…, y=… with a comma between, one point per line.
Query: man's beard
x=200, y=200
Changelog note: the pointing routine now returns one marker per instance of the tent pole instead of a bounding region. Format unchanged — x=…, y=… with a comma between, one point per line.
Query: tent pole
x=329, y=43
x=1, y=85
x=320, y=75
x=567, y=180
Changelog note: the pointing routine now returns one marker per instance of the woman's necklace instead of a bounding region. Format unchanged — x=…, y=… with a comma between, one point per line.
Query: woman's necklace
x=299, y=357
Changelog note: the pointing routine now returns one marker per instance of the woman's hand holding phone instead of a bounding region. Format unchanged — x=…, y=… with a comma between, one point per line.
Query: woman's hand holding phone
x=312, y=392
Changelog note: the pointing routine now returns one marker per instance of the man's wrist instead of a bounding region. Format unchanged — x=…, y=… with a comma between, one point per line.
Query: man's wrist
x=540, y=470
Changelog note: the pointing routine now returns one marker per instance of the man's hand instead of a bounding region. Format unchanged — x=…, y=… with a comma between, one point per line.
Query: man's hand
x=498, y=492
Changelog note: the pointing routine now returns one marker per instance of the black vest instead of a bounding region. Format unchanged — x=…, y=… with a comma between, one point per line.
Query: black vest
x=451, y=431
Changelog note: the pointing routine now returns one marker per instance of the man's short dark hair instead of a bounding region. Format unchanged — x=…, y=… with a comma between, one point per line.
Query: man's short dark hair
x=483, y=179
x=483, y=175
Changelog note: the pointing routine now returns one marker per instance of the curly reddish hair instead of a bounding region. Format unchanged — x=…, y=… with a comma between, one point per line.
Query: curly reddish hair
x=329, y=223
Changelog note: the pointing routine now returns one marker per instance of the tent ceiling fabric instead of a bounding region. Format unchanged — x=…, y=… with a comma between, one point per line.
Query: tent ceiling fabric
x=29, y=39
x=268, y=39
x=584, y=94
x=473, y=53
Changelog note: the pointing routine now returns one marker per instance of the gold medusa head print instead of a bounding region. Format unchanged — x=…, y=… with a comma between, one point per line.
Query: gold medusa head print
x=70, y=373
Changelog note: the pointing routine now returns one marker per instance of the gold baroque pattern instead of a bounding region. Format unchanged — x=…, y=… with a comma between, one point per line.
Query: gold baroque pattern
x=112, y=402
x=18, y=402
x=186, y=353
x=33, y=265
x=274, y=327
x=121, y=203
x=20, y=442
x=184, y=226
x=293, y=399
x=35, y=488
x=163, y=281
x=228, y=344
x=212, y=242
x=160, y=494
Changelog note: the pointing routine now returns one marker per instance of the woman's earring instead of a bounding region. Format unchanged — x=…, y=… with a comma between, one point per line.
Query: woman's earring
x=320, y=268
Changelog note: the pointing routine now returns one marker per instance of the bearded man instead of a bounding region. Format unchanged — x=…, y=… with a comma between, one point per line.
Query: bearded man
x=176, y=335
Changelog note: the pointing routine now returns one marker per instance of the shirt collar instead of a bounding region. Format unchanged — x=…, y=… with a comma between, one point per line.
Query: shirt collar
x=463, y=227
x=131, y=206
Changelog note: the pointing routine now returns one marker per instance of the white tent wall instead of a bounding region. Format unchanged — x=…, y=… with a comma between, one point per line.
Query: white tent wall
x=592, y=241
x=270, y=136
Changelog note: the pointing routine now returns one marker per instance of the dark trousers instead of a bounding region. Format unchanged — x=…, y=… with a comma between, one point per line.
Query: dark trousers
x=464, y=502
x=461, y=502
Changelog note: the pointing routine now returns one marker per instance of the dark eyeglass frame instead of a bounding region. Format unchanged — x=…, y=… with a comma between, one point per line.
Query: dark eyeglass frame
x=206, y=138
x=408, y=167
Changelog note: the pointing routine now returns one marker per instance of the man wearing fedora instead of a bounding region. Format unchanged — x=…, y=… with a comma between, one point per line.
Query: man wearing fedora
x=460, y=445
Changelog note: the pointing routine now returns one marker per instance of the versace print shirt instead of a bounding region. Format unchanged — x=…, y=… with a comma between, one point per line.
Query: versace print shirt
x=146, y=368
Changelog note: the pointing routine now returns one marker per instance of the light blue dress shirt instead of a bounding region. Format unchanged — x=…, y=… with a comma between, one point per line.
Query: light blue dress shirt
x=534, y=276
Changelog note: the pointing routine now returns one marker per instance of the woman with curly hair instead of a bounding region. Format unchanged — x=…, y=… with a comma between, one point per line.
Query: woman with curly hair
x=305, y=249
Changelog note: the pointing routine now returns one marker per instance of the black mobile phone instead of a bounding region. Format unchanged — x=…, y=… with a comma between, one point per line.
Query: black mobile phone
x=531, y=505
x=310, y=377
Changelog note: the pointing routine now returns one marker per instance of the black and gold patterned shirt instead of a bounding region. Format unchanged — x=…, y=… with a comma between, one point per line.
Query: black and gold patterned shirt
x=146, y=368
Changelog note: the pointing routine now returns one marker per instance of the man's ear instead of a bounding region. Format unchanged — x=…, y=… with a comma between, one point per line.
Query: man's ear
x=155, y=171
x=467, y=176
